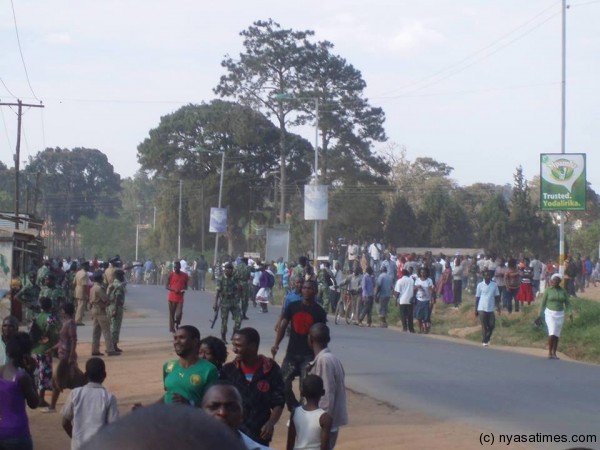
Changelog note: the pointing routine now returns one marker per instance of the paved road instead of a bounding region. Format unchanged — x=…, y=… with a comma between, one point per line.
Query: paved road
x=506, y=392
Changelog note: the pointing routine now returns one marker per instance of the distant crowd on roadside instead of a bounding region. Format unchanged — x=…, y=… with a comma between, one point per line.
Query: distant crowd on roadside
x=248, y=394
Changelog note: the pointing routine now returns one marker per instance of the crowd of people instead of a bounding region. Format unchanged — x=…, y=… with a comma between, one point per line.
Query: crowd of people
x=250, y=393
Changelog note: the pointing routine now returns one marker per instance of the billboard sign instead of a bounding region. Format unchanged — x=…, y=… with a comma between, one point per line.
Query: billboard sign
x=562, y=182
x=218, y=220
x=315, y=202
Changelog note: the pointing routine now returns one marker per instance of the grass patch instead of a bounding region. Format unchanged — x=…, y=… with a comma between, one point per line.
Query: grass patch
x=579, y=340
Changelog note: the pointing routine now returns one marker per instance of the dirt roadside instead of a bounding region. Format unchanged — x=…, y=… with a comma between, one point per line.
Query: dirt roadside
x=136, y=377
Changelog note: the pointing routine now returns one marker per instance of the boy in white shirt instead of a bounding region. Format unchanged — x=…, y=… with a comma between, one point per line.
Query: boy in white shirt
x=90, y=407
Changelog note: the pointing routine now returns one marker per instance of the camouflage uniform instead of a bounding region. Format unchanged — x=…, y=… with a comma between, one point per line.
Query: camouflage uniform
x=298, y=271
x=227, y=290
x=68, y=286
x=116, y=295
x=29, y=296
x=324, y=294
x=42, y=274
x=242, y=274
x=57, y=295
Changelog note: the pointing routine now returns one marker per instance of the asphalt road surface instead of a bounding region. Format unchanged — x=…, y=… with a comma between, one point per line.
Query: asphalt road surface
x=505, y=392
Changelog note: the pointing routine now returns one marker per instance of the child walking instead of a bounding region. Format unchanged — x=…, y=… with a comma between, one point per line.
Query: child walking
x=310, y=426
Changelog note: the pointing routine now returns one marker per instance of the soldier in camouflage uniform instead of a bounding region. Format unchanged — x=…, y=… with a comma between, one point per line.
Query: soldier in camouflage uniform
x=54, y=293
x=324, y=278
x=43, y=273
x=68, y=282
x=29, y=296
x=116, y=294
x=227, y=299
x=300, y=268
x=242, y=275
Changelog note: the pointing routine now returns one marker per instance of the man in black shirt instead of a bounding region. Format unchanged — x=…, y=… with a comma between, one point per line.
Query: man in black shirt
x=301, y=315
x=259, y=381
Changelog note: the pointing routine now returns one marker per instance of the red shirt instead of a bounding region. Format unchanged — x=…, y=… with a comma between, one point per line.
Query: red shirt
x=177, y=281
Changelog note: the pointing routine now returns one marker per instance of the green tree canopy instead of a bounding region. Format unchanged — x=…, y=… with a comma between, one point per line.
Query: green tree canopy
x=187, y=145
x=74, y=183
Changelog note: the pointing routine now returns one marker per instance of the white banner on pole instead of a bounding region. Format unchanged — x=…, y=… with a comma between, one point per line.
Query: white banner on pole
x=316, y=202
x=218, y=220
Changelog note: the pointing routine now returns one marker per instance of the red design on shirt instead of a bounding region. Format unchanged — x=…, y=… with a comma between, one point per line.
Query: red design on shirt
x=302, y=321
x=263, y=386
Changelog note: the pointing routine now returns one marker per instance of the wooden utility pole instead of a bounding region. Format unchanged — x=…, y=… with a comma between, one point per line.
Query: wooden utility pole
x=19, y=105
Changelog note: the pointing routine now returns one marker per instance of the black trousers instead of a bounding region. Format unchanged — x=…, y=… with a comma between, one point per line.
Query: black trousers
x=406, y=316
x=488, y=322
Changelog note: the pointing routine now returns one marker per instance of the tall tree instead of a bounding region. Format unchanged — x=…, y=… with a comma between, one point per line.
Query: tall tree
x=531, y=231
x=6, y=190
x=442, y=221
x=493, y=227
x=348, y=125
x=476, y=200
x=333, y=97
x=401, y=226
x=269, y=65
x=75, y=183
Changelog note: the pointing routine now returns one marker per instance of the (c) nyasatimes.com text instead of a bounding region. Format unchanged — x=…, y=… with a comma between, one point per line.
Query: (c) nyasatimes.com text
x=537, y=438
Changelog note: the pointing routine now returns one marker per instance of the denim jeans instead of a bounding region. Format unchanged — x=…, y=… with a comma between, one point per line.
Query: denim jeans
x=510, y=294
x=383, y=306
x=201, y=280
x=366, y=309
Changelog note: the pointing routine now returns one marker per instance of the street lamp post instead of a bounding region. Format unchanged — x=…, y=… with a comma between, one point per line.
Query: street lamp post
x=219, y=205
x=137, y=231
x=179, y=224
x=316, y=230
x=286, y=96
x=203, y=150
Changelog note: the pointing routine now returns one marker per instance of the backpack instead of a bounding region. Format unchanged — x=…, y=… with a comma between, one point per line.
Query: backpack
x=270, y=279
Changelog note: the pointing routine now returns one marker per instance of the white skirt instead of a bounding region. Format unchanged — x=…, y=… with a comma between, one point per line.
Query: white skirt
x=263, y=295
x=554, y=321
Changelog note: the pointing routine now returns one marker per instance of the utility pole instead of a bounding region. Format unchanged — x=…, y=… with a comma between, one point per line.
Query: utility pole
x=19, y=105
x=563, y=127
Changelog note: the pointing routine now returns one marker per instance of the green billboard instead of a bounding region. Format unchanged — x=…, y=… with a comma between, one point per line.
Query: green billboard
x=562, y=181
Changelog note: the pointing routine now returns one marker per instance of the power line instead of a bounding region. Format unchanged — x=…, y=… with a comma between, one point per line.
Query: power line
x=21, y=50
x=477, y=52
x=5, y=128
x=6, y=87
x=462, y=69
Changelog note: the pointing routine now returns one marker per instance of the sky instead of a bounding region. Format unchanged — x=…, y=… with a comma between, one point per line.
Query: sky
x=475, y=84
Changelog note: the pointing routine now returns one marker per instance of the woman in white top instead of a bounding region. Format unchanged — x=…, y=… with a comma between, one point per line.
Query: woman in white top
x=424, y=293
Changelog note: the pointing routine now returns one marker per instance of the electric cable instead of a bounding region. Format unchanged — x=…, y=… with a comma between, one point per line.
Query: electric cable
x=21, y=50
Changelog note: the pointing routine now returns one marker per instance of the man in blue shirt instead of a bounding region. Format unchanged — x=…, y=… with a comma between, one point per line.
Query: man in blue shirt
x=487, y=298
x=291, y=297
x=383, y=289
x=368, y=293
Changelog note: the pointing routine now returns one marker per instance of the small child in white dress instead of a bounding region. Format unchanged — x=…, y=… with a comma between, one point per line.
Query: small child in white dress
x=310, y=426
